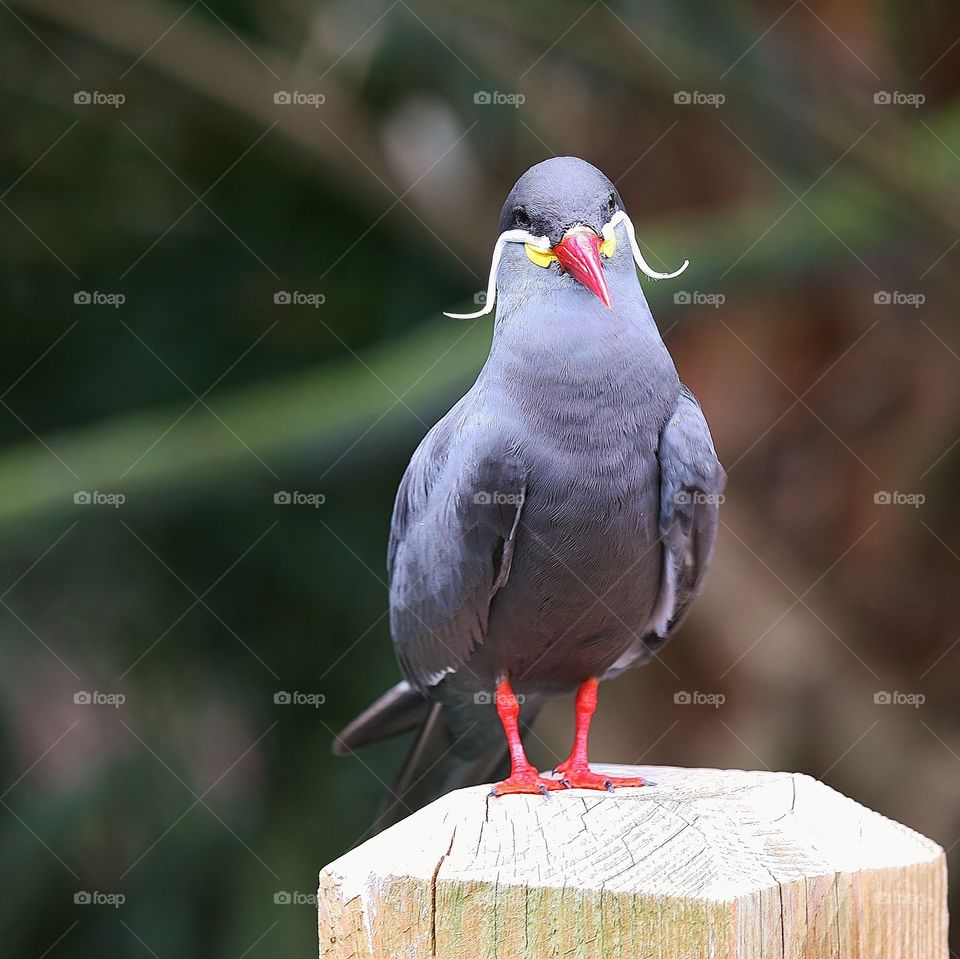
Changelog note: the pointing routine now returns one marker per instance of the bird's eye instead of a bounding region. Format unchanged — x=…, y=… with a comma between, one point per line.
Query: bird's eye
x=611, y=204
x=521, y=218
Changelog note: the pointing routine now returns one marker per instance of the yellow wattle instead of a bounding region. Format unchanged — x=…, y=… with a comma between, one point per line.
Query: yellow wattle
x=540, y=257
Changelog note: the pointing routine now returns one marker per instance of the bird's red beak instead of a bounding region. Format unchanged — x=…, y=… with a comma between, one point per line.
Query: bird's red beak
x=579, y=255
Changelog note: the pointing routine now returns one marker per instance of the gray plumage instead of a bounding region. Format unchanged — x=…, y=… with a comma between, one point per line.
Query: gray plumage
x=558, y=521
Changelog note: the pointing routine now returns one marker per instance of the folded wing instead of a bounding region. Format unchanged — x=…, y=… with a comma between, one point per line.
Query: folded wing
x=691, y=486
x=451, y=543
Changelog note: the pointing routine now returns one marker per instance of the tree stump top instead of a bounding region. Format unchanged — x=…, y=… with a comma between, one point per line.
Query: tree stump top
x=718, y=863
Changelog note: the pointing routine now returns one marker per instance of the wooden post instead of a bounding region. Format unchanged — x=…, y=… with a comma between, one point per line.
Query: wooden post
x=711, y=863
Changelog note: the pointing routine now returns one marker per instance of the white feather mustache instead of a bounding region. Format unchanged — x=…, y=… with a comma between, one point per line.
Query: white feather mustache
x=542, y=243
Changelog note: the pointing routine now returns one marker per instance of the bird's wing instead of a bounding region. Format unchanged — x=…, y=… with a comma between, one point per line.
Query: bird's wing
x=451, y=543
x=691, y=487
x=691, y=484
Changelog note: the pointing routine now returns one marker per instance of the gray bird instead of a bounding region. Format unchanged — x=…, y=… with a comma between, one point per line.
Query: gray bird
x=554, y=527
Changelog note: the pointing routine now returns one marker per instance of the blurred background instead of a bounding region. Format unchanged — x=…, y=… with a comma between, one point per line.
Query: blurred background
x=229, y=231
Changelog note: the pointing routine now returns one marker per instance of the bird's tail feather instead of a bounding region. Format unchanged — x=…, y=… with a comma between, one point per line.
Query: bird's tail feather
x=400, y=709
x=432, y=766
x=431, y=769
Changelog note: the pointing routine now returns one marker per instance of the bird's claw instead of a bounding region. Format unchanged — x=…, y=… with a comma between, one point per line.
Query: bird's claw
x=524, y=781
x=578, y=775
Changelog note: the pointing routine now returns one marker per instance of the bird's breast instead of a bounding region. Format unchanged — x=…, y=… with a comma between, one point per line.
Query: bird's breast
x=587, y=560
x=585, y=423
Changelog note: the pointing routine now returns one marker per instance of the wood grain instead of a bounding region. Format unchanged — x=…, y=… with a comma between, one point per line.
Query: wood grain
x=709, y=863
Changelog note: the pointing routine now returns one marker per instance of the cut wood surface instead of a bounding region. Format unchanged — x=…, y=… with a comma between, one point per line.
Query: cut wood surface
x=707, y=863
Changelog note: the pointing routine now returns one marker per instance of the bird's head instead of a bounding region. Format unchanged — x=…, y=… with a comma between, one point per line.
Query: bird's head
x=565, y=214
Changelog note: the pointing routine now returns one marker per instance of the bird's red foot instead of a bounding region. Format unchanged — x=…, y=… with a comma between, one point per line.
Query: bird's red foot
x=527, y=781
x=580, y=776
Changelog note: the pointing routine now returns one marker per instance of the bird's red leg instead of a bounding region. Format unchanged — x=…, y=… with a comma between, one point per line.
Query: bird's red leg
x=575, y=772
x=524, y=777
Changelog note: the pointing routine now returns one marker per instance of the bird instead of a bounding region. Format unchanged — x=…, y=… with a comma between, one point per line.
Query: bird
x=553, y=528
